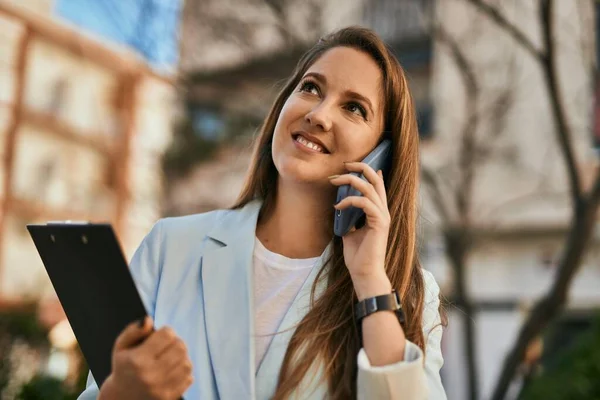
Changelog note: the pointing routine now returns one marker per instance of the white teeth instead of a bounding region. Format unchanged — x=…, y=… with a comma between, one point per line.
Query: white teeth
x=309, y=144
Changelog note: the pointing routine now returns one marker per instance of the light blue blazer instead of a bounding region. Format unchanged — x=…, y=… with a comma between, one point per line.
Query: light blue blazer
x=194, y=274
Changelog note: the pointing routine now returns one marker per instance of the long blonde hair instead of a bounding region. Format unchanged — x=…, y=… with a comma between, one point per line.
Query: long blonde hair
x=328, y=333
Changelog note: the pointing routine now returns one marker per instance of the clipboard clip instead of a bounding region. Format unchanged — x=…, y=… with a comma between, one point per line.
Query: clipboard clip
x=68, y=222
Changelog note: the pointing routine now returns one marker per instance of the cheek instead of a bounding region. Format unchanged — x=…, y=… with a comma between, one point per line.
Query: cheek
x=356, y=147
x=282, y=121
x=292, y=110
x=290, y=118
x=281, y=133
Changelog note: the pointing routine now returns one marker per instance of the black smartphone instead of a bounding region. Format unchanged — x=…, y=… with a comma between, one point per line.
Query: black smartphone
x=378, y=159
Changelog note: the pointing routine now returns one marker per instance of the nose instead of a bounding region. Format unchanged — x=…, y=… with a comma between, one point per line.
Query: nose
x=319, y=117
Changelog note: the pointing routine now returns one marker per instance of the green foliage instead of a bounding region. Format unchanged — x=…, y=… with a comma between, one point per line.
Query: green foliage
x=82, y=378
x=23, y=324
x=575, y=374
x=46, y=388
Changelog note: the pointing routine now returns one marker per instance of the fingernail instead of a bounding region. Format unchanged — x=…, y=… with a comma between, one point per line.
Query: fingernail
x=333, y=176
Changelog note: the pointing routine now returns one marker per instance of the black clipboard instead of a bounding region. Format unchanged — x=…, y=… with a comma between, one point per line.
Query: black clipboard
x=91, y=277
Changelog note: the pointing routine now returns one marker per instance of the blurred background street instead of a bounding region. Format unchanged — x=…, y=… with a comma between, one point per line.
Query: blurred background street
x=129, y=111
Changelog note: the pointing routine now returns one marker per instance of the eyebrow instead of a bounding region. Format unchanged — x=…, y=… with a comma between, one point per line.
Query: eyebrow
x=348, y=93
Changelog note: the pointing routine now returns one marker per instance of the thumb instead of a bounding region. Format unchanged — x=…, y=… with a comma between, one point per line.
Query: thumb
x=134, y=333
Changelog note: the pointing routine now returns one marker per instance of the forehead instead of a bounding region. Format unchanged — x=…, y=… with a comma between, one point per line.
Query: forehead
x=346, y=68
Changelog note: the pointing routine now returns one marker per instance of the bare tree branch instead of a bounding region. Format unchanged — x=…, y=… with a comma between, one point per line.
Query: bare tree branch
x=585, y=210
x=585, y=207
x=458, y=234
x=279, y=8
x=546, y=309
x=467, y=150
x=437, y=197
x=550, y=68
x=458, y=57
x=503, y=23
x=546, y=58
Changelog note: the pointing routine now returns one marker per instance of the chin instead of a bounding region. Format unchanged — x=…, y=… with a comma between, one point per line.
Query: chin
x=299, y=171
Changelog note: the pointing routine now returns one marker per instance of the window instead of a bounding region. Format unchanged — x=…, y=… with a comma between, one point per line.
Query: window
x=207, y=124
x=395, y=20
x=57, y=99
x=45, y=176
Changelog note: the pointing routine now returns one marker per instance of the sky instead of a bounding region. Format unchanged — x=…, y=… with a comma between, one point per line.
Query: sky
x=150, y=27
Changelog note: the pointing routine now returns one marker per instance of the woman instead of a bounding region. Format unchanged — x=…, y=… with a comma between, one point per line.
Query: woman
x=260, y=299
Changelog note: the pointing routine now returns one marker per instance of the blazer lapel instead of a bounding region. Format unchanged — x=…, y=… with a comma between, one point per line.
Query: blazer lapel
x=228, y=301
x=268, y=372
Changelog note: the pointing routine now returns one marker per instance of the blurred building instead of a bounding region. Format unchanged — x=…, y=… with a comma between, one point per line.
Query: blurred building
x=83, y=126
x=520, y=201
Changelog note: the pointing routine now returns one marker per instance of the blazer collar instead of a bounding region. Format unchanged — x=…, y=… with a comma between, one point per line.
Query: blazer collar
x=228, y=291
x=231, y=225
x=227, y=284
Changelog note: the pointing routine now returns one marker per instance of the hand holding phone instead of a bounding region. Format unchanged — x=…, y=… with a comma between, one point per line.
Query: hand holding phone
x=378, y=159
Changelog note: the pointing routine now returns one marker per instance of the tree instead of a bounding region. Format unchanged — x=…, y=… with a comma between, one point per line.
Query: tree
x=584, y=199
x=222, y=33
x=450, y=185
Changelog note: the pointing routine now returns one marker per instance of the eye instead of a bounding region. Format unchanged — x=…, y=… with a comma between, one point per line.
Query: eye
x=309, y=87
x=356, y=108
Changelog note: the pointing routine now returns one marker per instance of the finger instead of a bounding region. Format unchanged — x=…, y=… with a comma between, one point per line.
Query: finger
x=178, y=372
x=375, y=215
x=179, y=380
x=174, y=355
x=159, y=341
x=381, y=191
x=372, y=177
x=361, y=185
x=134, y=333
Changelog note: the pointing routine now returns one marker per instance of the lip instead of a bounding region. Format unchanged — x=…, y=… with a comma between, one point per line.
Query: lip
x=310, y=138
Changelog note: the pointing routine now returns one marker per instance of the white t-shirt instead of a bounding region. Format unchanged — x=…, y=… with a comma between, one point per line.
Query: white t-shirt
x=277, y=281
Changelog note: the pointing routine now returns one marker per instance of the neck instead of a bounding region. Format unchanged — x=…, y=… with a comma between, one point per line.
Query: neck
x=299, y=225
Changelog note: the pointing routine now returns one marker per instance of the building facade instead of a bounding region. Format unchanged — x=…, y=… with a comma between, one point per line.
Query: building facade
x=83, y=127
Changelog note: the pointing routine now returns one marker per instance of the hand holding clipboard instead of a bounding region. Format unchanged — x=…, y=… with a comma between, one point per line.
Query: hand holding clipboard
x=92, y=280
x=148, y=364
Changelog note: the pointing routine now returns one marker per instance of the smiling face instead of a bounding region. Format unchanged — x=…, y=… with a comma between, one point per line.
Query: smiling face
x=334, y=114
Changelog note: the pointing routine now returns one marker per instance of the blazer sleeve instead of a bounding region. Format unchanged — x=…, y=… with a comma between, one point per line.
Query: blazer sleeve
x=145, y=269
x=410, y=378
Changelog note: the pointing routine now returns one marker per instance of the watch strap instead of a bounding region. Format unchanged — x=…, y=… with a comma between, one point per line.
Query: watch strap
x=386, y=302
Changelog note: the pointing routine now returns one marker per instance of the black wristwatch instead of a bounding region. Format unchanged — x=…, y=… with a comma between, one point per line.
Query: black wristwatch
x=386, y=302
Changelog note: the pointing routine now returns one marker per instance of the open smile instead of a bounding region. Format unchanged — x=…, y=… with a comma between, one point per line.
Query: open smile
x=306, y=142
